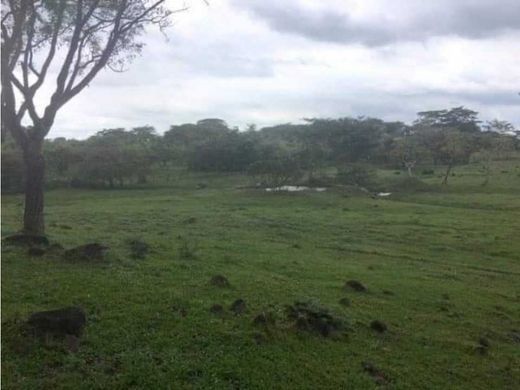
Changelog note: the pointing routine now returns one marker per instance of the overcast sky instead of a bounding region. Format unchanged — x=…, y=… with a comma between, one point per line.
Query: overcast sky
x=272, y=61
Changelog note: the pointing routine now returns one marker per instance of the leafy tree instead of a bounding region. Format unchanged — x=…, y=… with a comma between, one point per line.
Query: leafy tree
x=447, y=146
x=79, y=38
x=460, y=118
x=275, y=171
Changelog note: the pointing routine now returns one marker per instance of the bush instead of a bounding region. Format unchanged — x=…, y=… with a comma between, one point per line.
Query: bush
x=357, y=175
x=275, y=172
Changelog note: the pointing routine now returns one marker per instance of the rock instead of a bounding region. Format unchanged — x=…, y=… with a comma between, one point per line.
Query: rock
x=219, y=281
x=378, y=326
x=87, y=252
x=21, y=239
x=65, y=321
x=355, y=285
x=238, y=307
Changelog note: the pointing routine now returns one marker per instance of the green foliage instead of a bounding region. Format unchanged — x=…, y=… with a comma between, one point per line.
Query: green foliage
x=424, y=257
x=12, y=168
x=276, y=171
x=357, y=175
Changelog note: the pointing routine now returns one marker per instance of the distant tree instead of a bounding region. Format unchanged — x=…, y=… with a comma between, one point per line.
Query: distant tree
x=356, y=175
x=13, y=176
x=500, y=127
x=447, y=146
x=276, y=171
x=460, y=118
x=408, y=152
x=80, y=38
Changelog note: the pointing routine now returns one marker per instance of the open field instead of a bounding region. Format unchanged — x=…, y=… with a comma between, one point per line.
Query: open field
x=442, y=269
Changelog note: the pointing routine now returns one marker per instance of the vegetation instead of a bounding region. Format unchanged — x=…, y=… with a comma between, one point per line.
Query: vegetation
x=440, y=267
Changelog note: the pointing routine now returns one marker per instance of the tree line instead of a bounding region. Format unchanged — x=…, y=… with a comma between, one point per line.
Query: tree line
x=272, y=155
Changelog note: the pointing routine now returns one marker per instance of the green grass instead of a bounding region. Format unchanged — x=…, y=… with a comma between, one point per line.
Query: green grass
x=451, y=258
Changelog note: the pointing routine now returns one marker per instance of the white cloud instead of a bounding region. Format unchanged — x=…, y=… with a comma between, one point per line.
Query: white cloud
x=223, y=61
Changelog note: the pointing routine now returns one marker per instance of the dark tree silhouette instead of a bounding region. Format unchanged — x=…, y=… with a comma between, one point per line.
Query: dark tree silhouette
x=75, y=38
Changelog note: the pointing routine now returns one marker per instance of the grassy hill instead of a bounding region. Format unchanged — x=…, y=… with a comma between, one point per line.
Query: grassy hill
x=441, y=267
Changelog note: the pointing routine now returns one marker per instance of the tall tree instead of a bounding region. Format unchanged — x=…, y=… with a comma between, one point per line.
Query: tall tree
x=459, y=118
x=75, y=38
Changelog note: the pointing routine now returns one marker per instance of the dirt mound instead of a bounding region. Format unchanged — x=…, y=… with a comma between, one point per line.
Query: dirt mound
x=379, y=376
x=87, y=252
x=355, y=285
x=312, y=318
x=264, y=319
x=238, y=307
x=219, y=281
x=64, y=321
x=138, y=248
x=378, y=326
x=217, y=309
x=29, y=240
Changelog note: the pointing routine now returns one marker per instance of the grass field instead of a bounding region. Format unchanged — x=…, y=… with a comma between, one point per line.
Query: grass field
x=442, y=268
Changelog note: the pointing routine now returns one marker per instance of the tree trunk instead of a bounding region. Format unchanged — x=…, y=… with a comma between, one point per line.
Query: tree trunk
x=33, y=221
x=448, y=170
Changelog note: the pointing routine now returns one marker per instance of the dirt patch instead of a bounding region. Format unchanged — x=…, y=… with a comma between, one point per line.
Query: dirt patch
x=355, y=285
x=220, y=281
x=312, y=318
x=377, y=374
x=238, y=307
x=88, y=252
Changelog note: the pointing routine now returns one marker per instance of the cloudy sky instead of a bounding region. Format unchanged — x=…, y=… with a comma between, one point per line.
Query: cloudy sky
x=272, y=61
